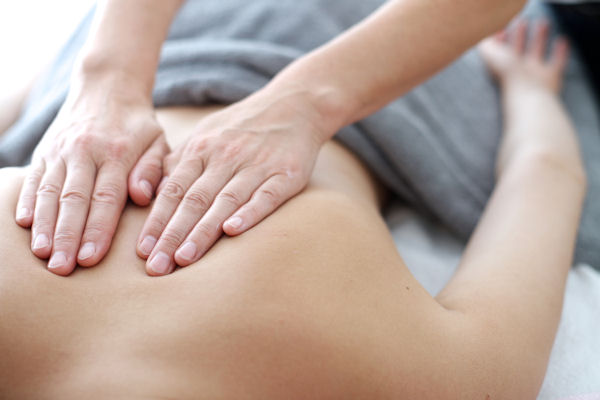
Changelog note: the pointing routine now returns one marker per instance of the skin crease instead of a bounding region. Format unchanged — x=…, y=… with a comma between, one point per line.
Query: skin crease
x=236, y=167
x=315, y=302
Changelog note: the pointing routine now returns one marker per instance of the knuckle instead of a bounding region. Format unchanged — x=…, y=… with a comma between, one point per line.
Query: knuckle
x=95, y=230
x=197, y=200
x=74, y=196
x=230, y=197
x=34, y=176
x=118, y=149
x=271, y=195
x=204, y=231
x=198, y=146
x=152, y=166
x=173, y=190
x=65, y=237
x=232, y=151
x=83, y=142
x=293, y=169
x=108, y=194
x=172, y=239
x=48, y=189
x=42, y=223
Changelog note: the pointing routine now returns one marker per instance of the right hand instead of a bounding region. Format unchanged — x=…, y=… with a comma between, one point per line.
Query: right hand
x=103, y=141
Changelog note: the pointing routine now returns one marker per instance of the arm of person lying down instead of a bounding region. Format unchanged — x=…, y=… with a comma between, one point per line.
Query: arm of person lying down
x=244, y=162
x=11, y=103
x=513, y=273
x=104, y=141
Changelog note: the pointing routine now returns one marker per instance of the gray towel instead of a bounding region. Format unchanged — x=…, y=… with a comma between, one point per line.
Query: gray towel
x=434, y=147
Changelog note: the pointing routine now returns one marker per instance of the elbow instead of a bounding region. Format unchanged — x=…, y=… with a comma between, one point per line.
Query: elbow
x=487, y=362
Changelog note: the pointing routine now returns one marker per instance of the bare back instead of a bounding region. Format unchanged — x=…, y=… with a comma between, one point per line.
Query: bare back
x=202, y=331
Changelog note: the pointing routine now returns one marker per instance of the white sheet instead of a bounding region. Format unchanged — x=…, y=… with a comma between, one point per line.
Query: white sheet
x=432, y=255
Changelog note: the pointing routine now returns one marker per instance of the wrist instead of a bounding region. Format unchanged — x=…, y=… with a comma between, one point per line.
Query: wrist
x=515, y=84
x=93, y=72
x=109, y=86
x=325, y=105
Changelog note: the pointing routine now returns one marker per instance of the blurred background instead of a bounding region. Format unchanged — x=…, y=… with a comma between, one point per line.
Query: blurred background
x=31, y=32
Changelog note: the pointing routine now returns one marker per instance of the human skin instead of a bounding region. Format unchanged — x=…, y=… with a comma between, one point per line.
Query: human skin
x=315, y=302
x=107, y=131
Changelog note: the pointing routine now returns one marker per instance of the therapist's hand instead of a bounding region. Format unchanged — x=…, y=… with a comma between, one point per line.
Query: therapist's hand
x=102, y=142
x=239, y=165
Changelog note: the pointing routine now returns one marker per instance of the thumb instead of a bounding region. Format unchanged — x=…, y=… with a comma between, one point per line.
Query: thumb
x=146, y=174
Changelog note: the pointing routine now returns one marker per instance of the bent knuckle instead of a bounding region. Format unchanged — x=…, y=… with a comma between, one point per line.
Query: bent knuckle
x=293, y=169
x=204, y=232
x=108, y=194
x=152, y=166
x=172, y=238
x=48, y=189
x=197, y=200
x=271, y=194
x=198, y=146
x=43, y=223
x=232, y=151
x=84, y=142
x=74, y=195
x=34, y=176
x=230, y=197
x=95, y=229
x=65, y=237
x=173, y=190
x=118, y=149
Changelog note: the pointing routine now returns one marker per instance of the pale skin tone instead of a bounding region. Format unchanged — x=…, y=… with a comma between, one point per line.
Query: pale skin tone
x=315, y=302
x=238, y=165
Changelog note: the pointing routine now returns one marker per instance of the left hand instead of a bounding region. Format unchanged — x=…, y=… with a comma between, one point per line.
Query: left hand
x=239, y=166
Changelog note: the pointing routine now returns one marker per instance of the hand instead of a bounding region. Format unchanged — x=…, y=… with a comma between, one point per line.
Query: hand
x=239, y=166
x=76, y=186
x=531, y=81
x=512, y=58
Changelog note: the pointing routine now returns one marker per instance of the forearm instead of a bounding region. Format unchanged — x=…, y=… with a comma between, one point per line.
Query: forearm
x=538, y=113
x=390, y=52
x=512, y=277
x=124, y=43
x=10, y=106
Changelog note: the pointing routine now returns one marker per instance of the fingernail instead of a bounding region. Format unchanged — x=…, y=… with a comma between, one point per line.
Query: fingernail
x=235, y=222
x=160, y=263
x=87, y=251
x=147, y=245
x=146, y=188
x=59, y=259
x=187, y=252
x=23, y=213
x=40, y=241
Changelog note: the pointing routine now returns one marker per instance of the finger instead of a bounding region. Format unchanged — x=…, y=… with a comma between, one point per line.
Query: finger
x=146, y=174
x=166, y=203
x=560, y=54
x=169, y=164
x=539, y=41
x=273, y=193
x=236, y=193
x=108, y=200
x=72, y=215
x=26, y=202
x=46, y=209
x=519, y=36
x=162, y=184
x=196, y=202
